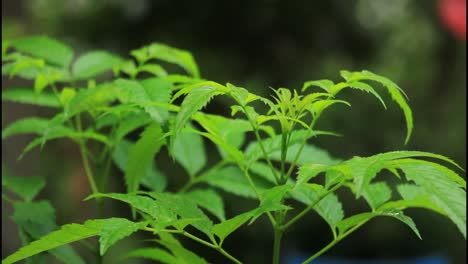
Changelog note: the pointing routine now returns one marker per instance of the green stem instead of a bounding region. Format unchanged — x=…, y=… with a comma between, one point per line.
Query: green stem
x=278, y=234
x=298, y=154
x=310, y=207
x=260, y=143
x=89, y=172
x=334, y=242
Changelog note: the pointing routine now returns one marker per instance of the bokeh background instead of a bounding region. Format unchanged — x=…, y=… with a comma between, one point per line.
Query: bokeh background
x=419, y=44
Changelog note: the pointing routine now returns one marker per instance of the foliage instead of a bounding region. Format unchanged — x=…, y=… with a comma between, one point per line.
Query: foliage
x=108, y=110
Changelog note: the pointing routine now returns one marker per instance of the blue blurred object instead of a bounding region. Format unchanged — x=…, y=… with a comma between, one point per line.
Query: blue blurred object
x=298, y=259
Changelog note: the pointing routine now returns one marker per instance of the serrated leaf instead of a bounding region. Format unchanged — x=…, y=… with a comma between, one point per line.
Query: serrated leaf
x=377, y=194
x=57, y=134
x=142, y=155
x=169, y=54
x=349, y=222
x=443, y=191
x=46, y=48
x=330, y=209
x=395, y=91
x=406, y=220
x=326, y=85
x=90, y=99
x=145, y=204
x=155, y=254
x=152, y=90
x=185, y=208
x=116, y=229
x=189, y=151
x=231, y=131
x=93, y=63
x=28, y=96
x=37, y=219
x=26, y=187
x=152, y=179
x=65, y=235
x=131, y=122
x=196, y=99
x=32, y=125
x=209, y=200
x=271, y=200
x=230, y=179
x=183, y=255
x=225, y=228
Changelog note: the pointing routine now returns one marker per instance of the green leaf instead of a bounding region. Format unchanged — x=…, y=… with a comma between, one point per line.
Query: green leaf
x=46, y=48
x=209, y=200
x=37, y=219
x=359, y=86
x=326, y=85
x=52, y=133
x=154, y=69
x=131, y=122
x=185, y=208
x=28, y=96
x=90, y=99
x=331, y=210
x=395, y=91
x=406, y=220
x=309, y=154
x=230, y=179
x=225, y=228
x=352, y=221
x=114, y=230
x=32, y=125
x=183, y=255
x=40, y=83
x=93, y=63
x=443, y=191
x=189, y=152
x=168, y=54
x=146, y=92
x=152, y=179
x=142, y=155
x=377, y=194
x=26, y=187
x=359, y=219
x=231, y=131
x=65, y=235
x=155, y=254
x=197, y=98
x=271, y=200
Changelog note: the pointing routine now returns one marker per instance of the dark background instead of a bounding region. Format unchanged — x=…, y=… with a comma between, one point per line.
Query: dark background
x=258, y=44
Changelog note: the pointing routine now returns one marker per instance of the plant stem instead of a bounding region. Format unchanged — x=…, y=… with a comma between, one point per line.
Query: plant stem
x=298, y=154
x=278, y=234
x=310, y=207
x=89, y=172
x=260, y=143
x=334, y=242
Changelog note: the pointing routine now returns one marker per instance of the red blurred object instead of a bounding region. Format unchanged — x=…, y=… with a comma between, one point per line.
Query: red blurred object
x=453, y=15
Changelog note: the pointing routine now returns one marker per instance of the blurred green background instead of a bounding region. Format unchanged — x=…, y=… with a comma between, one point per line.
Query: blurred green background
x=270, y=43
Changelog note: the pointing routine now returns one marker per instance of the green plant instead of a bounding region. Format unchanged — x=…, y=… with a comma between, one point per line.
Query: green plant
x=99, y=115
